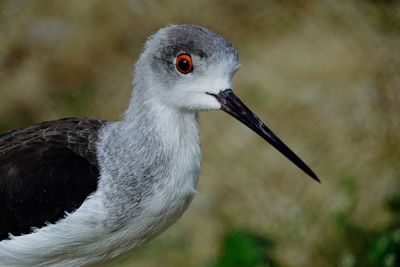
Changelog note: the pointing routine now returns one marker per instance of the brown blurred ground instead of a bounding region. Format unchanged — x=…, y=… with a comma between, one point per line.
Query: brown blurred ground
x=323, y=75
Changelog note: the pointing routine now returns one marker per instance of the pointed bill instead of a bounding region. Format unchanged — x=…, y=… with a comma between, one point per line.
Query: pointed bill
x=231, y=104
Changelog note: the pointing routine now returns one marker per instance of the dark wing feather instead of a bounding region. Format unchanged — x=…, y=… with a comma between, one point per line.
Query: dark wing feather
x=46, y=170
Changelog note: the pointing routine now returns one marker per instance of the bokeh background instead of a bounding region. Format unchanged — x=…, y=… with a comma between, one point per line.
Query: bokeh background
x=324, y=75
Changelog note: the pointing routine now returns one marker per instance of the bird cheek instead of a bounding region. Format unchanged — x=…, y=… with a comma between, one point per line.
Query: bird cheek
x=201, y=102
x=207, y=102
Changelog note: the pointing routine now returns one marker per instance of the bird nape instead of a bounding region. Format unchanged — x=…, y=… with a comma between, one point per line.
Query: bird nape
x=78, y=191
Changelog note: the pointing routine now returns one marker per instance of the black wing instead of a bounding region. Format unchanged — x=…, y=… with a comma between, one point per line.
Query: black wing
x=46, y=170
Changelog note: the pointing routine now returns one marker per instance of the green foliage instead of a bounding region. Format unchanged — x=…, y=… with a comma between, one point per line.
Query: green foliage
x=245, y=249
x=372, y=248
x=385, y=249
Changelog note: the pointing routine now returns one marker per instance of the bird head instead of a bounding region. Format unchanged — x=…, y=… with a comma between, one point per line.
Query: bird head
x=190, y=68
x=185, y=64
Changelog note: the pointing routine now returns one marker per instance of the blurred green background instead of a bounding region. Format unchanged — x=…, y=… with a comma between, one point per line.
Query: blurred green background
x=324, y=75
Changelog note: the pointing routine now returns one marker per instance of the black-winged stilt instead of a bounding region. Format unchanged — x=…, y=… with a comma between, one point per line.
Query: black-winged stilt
x=78, y=191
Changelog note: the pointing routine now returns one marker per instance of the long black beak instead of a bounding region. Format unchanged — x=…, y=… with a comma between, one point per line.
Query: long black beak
x=232, y=105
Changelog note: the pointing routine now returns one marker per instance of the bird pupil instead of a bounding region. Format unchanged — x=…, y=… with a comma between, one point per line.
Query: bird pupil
x=184, y=65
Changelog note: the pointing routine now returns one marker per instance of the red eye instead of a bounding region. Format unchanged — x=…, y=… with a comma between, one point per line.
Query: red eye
x=184, y=64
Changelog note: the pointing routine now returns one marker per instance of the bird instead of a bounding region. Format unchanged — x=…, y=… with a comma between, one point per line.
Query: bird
x=77, y=191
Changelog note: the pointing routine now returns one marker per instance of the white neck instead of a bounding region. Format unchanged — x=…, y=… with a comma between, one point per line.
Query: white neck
x=155, y=147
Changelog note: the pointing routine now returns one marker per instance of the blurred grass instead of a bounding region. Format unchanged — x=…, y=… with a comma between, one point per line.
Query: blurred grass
x=324, y=75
